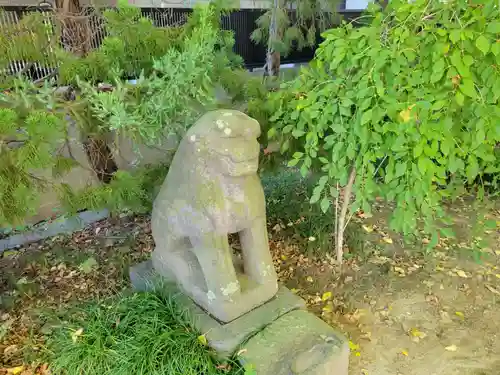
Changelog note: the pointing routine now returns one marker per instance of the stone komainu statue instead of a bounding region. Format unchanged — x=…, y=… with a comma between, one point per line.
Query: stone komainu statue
x=212, y=189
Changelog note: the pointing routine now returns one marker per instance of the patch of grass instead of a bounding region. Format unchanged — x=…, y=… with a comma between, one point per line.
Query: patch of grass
x=136, y=334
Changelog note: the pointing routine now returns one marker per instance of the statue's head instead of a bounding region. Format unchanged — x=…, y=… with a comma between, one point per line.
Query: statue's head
x=227, y=139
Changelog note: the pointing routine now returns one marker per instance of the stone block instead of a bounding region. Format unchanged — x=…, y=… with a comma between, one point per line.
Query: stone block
x=225, y=338
x=78, y=178
x=129, y=154
x=298, y=343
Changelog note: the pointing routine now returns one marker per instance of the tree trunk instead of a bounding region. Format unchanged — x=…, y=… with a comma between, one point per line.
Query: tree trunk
x=343, y=214
x=75, y=30
x=273, y=58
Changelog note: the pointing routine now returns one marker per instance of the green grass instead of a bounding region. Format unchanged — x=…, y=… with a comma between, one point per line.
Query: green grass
x=137, y=334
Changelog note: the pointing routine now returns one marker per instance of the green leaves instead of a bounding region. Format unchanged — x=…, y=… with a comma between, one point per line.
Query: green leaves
x=438, y=70
x=483, y=44
x=467, y=87
x=414, y=113
x=457, y=62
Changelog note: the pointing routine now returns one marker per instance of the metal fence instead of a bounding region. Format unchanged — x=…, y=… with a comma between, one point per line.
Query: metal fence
x=241, y=22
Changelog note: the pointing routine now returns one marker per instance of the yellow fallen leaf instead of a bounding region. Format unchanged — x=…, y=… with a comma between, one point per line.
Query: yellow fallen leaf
x=309, y=279
x=357, y=354
x=462, y=274
x=367, y=228
x=460, y=314
x=364, y=371
x=399, y=270
x=15, y=370
x=327, y=308
x=203, y=339
x=417, y=333
x=497, y=275
x=284, y=257
x=387, y=240
x=497, y=252
x=294, y=291
x=326, y=296
x=451, y=348
x=353, y=346
x=75, y=335
x=404, y=352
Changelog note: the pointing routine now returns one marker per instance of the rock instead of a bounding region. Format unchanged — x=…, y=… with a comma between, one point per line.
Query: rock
x=212, y=189
x=298, y=343
x=224, y=338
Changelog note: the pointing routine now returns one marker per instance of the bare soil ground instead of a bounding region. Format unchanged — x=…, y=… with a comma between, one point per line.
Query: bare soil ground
x=404, y=312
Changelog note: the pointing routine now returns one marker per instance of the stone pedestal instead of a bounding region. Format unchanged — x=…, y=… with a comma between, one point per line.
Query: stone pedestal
x=277, y=338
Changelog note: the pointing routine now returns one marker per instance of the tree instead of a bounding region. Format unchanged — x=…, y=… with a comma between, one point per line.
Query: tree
x=292, y=24
x=406, y=109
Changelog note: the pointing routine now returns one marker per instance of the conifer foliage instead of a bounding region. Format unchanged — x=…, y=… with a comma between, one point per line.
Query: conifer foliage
x=176, y=71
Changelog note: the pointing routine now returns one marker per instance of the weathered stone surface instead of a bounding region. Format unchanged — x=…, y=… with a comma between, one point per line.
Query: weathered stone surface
x=298, y=343
x=224, y=338
x=78, y=178
x=212, y=189
x=129, y=154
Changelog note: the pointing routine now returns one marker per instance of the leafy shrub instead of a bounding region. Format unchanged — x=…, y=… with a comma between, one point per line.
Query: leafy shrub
x=406, y=108
x=130, y=46
x=180, y=87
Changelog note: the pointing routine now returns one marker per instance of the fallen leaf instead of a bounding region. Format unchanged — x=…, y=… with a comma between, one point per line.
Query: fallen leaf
x=400, y=270
x=367, y=228
x=240, y=352
x=309, y=279
x=326, y=296
x=387, y=240
x=404, y=352
x=89, y=265
x=327, y=308
x=15, y=370
x=416, y=333
x=353, y=346
x=462, y=274
x=75, y=335
x=460, y=314
x=203, y=340
x=451, y=348
x=312, y=239
x=294, y=291
x=492, y=289
x=284, y=257
x=357, y=354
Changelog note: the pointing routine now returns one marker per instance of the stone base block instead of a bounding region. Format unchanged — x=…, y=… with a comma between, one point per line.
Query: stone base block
x=225, y=338
x=298, y=343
